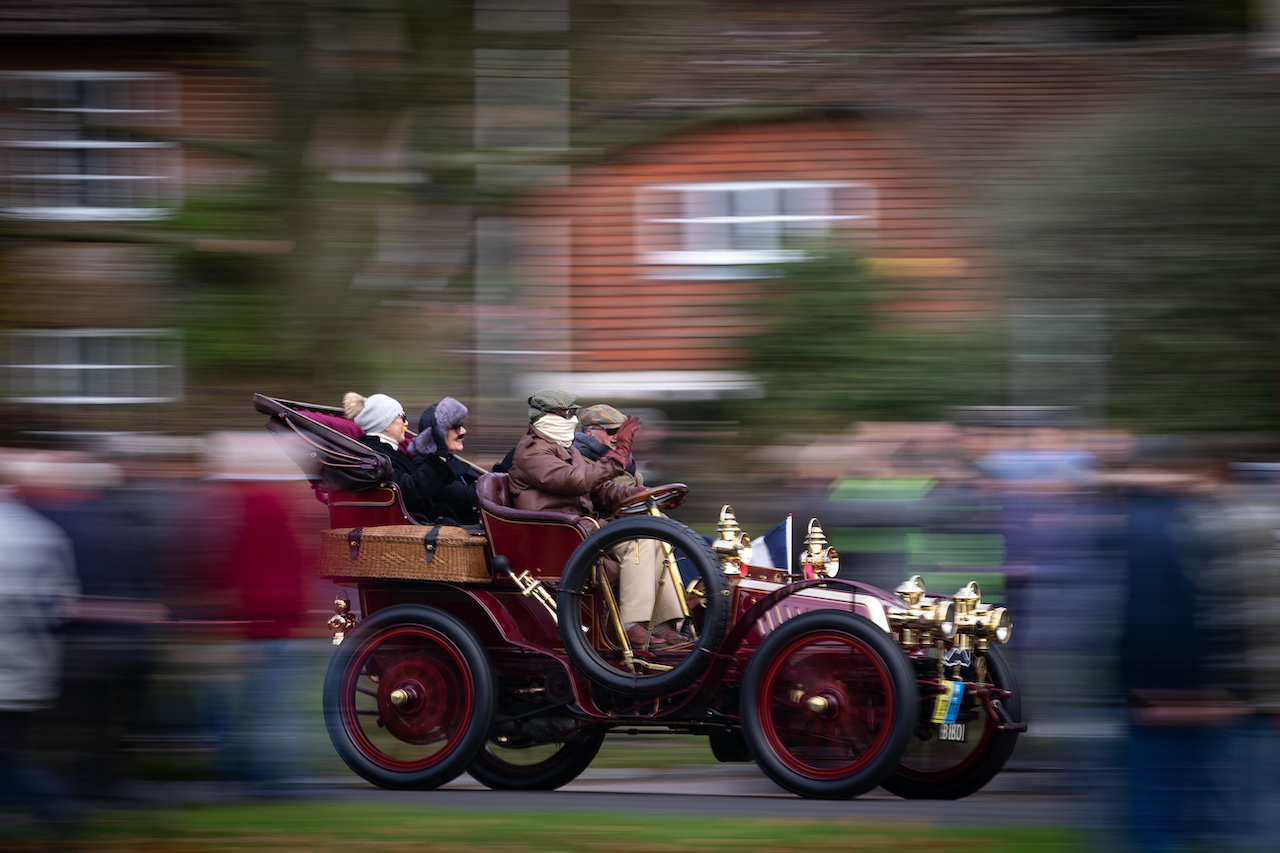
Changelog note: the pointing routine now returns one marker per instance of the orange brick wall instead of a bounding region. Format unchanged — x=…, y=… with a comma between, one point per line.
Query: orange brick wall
x=624, y=319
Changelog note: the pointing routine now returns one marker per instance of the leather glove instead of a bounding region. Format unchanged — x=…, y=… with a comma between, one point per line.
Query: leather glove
x=625, y=436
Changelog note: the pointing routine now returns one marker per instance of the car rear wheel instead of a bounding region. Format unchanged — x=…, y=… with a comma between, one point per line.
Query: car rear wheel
x=534, y=766
x=409, y=698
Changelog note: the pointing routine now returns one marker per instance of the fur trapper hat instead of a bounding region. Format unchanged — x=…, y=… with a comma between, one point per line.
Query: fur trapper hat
x=435, y=422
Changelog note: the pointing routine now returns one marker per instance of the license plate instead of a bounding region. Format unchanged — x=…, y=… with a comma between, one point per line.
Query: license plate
x=951, y=732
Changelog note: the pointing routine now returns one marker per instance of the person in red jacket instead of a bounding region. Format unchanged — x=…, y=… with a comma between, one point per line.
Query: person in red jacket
x=254, y=577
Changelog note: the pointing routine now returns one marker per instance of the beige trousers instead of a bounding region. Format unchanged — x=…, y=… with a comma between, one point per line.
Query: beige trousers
x=642, y=566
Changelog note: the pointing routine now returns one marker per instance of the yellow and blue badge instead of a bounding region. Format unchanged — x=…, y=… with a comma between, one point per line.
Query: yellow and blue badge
x=947, y=705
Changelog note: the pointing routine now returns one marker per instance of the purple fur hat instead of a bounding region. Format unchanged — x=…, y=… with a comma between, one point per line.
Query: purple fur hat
x=435, y=422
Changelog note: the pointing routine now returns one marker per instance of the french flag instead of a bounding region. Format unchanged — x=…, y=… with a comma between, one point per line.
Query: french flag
x=775, y=549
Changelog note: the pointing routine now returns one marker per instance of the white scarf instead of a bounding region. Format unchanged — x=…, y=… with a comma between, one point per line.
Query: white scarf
x=557, y=429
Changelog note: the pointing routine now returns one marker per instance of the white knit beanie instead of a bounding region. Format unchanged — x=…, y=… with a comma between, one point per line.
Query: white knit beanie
x=378, y=413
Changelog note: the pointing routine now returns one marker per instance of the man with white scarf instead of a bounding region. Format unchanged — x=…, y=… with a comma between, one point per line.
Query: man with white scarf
x=548, y=474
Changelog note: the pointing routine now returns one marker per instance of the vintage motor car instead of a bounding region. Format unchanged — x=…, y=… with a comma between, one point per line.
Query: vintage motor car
x=498, y=650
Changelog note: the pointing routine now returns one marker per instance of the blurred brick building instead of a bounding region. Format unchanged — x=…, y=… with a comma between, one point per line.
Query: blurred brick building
x=616, y=267
x=96, y=100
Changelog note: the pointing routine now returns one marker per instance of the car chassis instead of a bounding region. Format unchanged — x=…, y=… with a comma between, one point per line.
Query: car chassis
x=498, y=651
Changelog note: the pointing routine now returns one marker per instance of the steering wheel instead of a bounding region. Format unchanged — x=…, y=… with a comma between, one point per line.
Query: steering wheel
x=669, y=496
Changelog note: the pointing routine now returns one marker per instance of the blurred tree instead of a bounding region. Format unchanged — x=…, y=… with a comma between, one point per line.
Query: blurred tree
x=371, y=125
x=1169, y=213
x=832, y=349
x=366, y=102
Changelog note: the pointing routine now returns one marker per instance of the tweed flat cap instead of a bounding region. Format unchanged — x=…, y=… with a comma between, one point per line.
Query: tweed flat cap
x=601, y=416
x=548, y=400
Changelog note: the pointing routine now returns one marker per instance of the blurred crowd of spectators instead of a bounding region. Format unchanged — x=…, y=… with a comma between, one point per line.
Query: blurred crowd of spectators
x=1143, y=576
x=173, y=628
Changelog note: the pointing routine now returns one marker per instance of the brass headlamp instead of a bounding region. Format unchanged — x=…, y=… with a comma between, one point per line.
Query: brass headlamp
x=984, y=621
x=922, y=619
x=732, y=545
x=819, y=555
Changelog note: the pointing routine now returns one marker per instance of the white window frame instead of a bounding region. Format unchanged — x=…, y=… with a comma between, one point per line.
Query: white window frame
x=741, y=223
x=93, y=366
x=57, y=157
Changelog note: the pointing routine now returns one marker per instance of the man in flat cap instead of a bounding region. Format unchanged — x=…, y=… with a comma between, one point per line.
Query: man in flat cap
x=548, y=474
x=598, y=434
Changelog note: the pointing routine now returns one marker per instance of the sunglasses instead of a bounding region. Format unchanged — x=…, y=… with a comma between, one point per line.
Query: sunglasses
x=566, y=413
x=609, y=430
x=402, y=416
x=457, y=428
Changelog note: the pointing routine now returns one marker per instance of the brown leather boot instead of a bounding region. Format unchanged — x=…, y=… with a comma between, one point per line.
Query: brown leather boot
x=637, y=634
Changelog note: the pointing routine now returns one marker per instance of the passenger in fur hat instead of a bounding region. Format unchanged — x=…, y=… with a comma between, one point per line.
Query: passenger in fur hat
x=440, y=437
x=421, y=485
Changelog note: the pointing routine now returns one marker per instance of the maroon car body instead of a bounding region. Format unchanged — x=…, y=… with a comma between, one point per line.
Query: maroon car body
x=497, y=650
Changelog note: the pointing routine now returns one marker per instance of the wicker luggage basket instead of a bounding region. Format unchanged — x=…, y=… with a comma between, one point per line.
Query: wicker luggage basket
x=405, y=552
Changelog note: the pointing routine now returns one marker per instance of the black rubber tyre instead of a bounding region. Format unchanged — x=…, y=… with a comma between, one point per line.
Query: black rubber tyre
x=728, y=745
x=535, y=767
x=933, y=770
x=409, y=698
x=829, y=705
x=600, y=658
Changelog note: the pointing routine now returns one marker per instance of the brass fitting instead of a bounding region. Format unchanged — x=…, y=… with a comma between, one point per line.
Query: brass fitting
x=341, y=621
x=922, y=619
x=819, y=555
x=730, y=543
x=978, y=620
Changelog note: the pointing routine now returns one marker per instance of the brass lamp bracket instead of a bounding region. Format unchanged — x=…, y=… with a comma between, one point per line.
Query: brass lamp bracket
x=730, y=543
x=341, y=621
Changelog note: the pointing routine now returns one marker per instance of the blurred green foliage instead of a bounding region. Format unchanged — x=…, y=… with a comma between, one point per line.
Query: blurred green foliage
x=833, y=349
x=1169, y=213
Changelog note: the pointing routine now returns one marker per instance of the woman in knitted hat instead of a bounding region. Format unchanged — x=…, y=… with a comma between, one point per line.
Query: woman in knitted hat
x=440, y=436
x=385, y=424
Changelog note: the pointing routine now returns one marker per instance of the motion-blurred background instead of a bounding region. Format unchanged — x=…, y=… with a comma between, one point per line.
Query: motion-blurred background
x=878, y=260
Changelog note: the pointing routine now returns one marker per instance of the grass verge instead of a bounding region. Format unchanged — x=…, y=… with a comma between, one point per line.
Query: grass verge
x=318, y=827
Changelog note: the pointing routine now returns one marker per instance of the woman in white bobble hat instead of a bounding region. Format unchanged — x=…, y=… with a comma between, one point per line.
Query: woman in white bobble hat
x=384, y=423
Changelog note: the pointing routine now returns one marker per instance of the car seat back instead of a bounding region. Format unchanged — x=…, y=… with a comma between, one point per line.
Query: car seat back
x=534, y=541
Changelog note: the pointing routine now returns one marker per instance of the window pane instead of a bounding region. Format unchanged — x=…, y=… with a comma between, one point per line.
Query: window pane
x=757, y=213
x=93, y=366
x=808, y=209
x=706, y=223
x=69, y=124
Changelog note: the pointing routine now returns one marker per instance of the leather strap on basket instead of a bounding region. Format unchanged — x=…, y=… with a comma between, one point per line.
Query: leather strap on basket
x=429, y=542
x=353, y=541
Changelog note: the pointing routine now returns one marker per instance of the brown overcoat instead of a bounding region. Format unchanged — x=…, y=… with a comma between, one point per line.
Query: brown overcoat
x=545, y=475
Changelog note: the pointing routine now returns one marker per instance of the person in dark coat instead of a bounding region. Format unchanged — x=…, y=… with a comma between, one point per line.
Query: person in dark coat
x=425, y=484
x=1179, y=706
x=451, y=480
x=106, y=645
